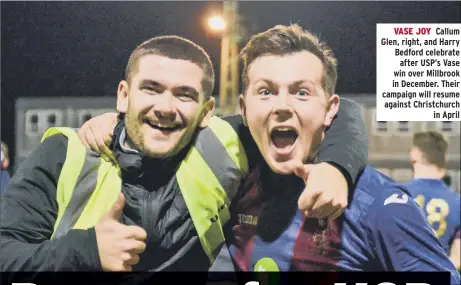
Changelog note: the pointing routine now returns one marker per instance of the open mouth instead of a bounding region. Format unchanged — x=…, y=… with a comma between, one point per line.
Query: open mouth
x=164, y=127
x=283, y=138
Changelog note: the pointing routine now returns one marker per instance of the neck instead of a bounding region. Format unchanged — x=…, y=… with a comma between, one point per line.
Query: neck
x=128, y=144
x=132, y=156
x=314, y=151
x=428, y=172
x=276, y=184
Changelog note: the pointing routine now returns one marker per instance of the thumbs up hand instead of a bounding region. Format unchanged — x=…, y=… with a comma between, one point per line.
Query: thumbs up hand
x=326, y=192
x=119, y=245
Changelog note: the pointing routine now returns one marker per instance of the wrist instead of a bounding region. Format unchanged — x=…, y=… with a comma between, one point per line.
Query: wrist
x=341, y=170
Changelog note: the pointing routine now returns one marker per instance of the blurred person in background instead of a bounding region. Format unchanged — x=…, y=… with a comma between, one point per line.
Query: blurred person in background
x=440, y=203
x=4, y=163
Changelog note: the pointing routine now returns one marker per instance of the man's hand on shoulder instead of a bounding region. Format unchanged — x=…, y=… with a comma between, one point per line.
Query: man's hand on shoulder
x=96, y=134
x=326, y=192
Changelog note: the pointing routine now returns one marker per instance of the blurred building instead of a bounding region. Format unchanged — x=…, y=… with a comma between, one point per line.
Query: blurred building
x=390, y=142
x=35, y=115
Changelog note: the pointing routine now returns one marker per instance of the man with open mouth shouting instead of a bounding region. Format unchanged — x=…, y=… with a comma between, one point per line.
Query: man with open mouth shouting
x=288, y=102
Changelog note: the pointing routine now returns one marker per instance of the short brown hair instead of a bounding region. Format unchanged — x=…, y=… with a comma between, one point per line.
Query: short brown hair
x=174, y=47
x=433, y=146
x=282, y=40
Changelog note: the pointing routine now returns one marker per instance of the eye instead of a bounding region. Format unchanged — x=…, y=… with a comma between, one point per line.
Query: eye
x=148, y=90
x=185, y=97
x=303, y=93
x=264, y=92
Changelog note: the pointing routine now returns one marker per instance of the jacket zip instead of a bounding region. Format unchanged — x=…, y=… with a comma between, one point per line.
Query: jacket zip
x=147, y=216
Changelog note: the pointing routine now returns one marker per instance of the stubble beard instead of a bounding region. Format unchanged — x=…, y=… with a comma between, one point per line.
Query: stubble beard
x=136, y=140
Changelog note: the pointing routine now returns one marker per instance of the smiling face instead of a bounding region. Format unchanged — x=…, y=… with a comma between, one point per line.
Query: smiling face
x=164, y=104
x=286, y=107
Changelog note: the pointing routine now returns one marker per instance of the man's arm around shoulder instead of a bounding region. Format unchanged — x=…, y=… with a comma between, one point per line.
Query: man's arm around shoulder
x=346, y=141
x=28, y=214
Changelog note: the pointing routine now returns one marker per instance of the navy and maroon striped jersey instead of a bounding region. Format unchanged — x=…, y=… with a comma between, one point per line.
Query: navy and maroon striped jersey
x=381, y=230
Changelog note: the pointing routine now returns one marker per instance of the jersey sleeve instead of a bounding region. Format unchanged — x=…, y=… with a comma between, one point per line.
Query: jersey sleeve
x=346, y=141
x=402, y=238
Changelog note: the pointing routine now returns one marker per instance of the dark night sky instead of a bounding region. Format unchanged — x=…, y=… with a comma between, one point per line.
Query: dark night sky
x=81, y=48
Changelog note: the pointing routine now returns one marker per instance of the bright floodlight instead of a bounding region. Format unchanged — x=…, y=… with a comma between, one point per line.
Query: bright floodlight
x=217, y=23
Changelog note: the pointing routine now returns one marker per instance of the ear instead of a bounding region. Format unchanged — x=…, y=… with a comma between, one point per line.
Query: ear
x=332, y=109
x=415, y=155
x=243, y=109
x=207, y=113
x=122, y=96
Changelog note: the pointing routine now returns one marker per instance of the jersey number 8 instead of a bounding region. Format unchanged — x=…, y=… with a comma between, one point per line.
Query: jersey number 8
x=437, y=211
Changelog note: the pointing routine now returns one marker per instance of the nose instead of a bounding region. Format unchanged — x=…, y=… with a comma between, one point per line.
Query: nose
x=282, y=107
x=164, y=107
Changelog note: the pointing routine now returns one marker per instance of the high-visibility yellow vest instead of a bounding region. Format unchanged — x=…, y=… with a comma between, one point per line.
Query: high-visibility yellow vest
x=208, y=177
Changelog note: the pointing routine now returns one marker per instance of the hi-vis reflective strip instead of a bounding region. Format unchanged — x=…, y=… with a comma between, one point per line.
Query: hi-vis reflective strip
x=231, y=142
x=195, y=178
x=209, y=177
x=82, y=191
x=75, y=159
x=108, y=186
x=220, y=147
x=81, y=177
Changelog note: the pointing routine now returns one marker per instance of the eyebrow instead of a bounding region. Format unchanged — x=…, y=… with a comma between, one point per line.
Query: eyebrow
x=302, y=81
x=296, y=83
x=150, y=82
x=267, y=81
x=185, y=89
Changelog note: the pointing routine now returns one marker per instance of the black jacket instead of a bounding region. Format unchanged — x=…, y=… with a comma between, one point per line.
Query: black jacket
x=153, y=201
